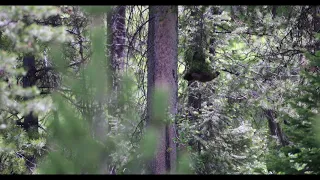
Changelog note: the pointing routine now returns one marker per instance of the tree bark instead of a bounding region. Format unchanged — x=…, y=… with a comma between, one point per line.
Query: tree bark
x=274, y=127
x=162, y=73
x=118, y=35
x=116, y=43
x=30, y=124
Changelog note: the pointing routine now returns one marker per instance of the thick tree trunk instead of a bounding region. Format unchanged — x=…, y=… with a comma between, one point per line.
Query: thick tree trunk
x=162, y=73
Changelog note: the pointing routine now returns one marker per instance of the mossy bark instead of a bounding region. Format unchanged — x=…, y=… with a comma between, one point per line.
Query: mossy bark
x=198, y=69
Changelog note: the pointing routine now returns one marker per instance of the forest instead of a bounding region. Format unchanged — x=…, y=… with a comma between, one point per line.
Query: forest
x=131, y=89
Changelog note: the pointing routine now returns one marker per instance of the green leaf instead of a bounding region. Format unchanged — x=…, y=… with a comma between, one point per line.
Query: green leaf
x=96, y=10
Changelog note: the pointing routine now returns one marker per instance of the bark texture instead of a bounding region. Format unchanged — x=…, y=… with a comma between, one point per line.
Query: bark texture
x=118, y=34
x=162, y=73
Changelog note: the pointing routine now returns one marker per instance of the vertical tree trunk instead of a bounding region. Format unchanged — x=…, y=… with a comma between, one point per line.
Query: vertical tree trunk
x=118, y=34
x=162, y=73
x=194, y=102
x=274, y=127
x=194, y=97
x=116, y=43
x=118, y=37
x=30, y=123
x=274, y=11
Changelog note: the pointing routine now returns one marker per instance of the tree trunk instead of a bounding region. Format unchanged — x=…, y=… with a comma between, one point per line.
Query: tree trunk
x=30, y=124
x=162, y=73
x=274, y=11
x=194, y=102
x=274, y=127
x=118, y=35
x=116, y=43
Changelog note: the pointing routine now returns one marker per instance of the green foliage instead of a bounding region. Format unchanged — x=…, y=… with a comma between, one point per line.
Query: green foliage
x=302, y=157
x=70, y=155
x=87, y=128
x=99, y=140
x=96, y=10
x=17, y=38
x=196, y=61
